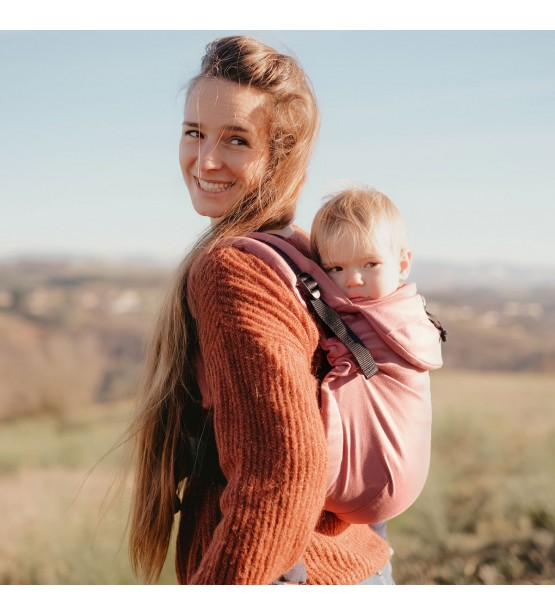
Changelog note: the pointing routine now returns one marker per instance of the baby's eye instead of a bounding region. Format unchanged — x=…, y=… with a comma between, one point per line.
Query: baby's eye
x=332, y=268
x=371, y=264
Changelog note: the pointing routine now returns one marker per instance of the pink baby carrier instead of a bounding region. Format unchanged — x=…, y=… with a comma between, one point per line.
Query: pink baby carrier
x=376, y=406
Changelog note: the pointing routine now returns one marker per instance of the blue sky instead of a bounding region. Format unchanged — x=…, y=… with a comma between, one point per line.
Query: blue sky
x=457, y=127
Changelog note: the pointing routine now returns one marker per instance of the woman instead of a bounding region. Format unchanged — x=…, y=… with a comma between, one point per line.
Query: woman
x=234, y=353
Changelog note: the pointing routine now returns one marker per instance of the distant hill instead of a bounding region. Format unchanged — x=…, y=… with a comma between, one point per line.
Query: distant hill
x=73, y=331
x=430, y=274
x=435, y=275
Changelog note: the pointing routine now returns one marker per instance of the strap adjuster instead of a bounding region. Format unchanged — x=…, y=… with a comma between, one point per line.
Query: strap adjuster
x=308, y=286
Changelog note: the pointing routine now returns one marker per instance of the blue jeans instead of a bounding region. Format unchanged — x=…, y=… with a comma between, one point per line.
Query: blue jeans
x=381, y=578
x=297, y=575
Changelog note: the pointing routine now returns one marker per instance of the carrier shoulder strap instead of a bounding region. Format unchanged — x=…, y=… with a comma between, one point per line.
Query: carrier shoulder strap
x=328, y=316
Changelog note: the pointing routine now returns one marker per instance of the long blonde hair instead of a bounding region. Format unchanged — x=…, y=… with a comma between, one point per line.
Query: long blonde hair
x=168, y=385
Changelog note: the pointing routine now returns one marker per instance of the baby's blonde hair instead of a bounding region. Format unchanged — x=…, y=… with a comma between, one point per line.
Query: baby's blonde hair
x=356, y=212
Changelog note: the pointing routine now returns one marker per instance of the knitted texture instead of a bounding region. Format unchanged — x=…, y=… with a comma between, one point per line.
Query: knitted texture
x=259, y=350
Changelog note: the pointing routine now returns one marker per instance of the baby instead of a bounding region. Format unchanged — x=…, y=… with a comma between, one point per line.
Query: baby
x=359, y=239
x=378, y=429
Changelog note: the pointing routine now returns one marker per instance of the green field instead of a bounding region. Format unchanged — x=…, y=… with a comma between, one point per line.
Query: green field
x=486, y=516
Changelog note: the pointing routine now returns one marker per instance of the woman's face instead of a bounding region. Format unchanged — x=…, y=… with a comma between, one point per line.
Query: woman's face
x=224, y=147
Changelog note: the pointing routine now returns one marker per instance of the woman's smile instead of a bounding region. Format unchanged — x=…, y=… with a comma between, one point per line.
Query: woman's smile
x=213, y=187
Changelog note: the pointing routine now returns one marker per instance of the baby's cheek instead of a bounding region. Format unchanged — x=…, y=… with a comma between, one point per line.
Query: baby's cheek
x=337, y=279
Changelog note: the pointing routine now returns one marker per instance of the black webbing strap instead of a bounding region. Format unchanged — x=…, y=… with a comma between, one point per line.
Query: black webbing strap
x=327, y=315
x=435, y=321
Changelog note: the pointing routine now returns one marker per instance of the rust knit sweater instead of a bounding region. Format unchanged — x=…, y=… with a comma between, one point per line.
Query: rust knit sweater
x=259, y=348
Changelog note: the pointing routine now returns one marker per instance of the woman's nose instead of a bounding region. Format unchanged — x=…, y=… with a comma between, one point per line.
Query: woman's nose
x=209, y=157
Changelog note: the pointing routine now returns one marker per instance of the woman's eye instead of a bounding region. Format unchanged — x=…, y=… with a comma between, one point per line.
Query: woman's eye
x=195, y=134
x=237, y=141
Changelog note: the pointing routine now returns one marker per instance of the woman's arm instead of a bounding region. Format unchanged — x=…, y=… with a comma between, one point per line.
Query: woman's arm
x=257, y=344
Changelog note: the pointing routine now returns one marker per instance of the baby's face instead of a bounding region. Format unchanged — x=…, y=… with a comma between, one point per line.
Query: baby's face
x=365, y=273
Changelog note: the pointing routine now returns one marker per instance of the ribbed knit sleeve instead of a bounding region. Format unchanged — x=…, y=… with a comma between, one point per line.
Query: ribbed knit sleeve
x=257, y=344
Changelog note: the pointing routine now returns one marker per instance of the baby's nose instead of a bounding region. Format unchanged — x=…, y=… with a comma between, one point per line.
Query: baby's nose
x=354, y=279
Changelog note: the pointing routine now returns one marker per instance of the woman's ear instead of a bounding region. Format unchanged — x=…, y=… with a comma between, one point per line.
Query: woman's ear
x=404, y=264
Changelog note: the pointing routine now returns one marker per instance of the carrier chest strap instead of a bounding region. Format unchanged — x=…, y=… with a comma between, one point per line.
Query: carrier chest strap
x=329, y=317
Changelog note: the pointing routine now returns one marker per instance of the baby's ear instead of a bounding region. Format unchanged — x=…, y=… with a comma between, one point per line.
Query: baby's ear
x=404, y=264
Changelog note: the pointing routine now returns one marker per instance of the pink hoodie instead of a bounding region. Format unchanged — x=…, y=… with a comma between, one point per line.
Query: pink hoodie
x=379, y=442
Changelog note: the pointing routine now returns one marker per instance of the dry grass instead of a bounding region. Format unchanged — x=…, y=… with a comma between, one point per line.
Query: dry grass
x=64, y=505
x=52, y=536
x=486, y=516
x=487, y=513
x=59, y=529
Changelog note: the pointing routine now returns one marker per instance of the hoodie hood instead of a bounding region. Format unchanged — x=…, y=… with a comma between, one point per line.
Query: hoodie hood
x=401, y=322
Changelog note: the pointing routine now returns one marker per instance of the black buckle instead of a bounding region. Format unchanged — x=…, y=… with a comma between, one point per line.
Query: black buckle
x=308, y=286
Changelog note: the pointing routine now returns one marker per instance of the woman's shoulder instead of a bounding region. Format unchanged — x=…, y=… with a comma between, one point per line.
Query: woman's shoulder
x=233, y=263
x=227, y=272
x=224, y=262
x=231, y=282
